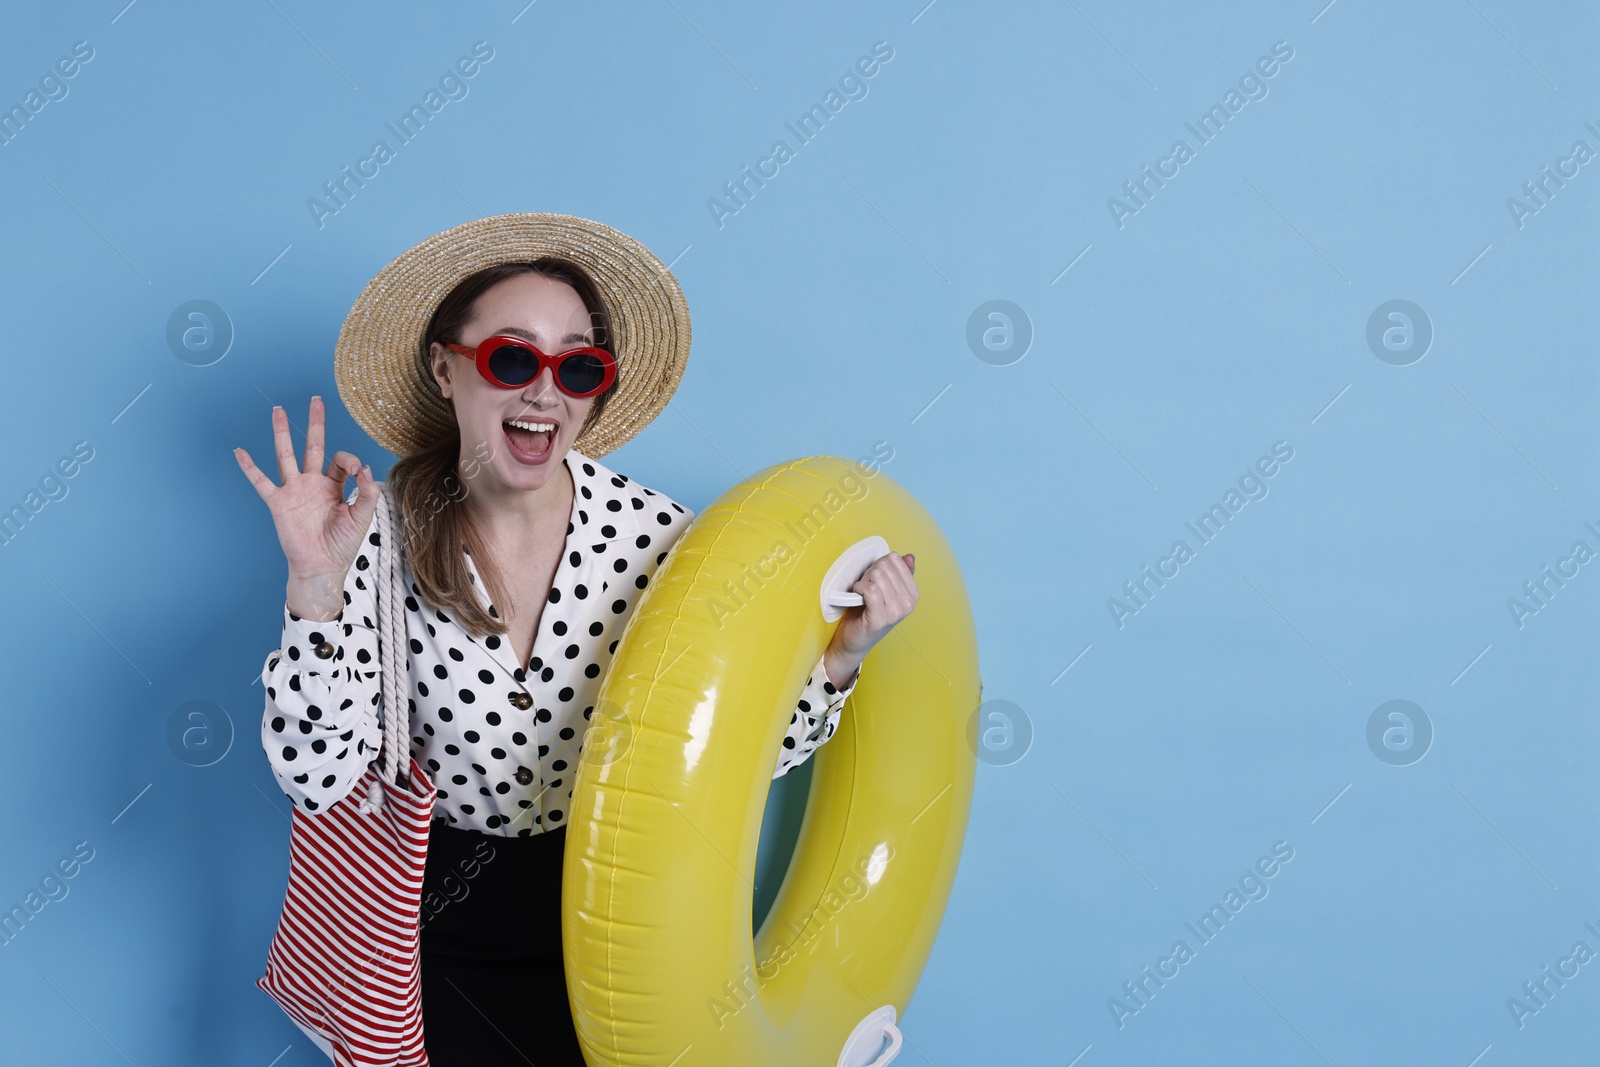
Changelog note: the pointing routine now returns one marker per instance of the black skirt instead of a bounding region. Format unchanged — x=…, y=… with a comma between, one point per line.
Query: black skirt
x=493, y=983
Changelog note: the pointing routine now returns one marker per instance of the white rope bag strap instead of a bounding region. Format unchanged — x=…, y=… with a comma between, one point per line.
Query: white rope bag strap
x=394, y=711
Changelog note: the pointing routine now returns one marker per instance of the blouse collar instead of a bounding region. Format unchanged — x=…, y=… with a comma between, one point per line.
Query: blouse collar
x=608, y=505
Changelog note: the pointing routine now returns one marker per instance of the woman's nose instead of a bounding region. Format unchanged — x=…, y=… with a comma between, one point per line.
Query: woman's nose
x=543, y=382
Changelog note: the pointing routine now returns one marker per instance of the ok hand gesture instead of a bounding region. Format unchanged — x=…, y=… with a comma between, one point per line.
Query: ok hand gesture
x=320, y=533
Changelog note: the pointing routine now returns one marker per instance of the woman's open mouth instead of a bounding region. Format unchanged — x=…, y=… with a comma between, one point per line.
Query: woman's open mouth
x=529, y=440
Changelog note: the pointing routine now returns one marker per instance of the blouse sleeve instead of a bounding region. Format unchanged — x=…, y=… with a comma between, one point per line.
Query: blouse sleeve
x=320, y=727
x=815, y=718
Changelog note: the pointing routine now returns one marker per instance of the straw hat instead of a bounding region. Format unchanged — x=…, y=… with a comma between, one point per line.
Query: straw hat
x=381, y=364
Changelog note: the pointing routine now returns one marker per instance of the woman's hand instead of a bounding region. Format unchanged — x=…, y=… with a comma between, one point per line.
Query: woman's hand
x=888, y=593
x=320, y=533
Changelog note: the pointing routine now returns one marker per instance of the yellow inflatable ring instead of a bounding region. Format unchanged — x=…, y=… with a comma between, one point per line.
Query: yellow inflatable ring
x=666, y=809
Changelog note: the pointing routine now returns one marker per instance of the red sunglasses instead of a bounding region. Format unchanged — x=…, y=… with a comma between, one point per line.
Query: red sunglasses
x=511, y=363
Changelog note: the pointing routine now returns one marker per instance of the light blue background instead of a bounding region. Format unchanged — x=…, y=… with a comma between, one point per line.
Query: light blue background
x=831, y=313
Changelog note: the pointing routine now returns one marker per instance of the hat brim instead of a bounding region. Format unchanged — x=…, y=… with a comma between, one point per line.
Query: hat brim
x=381, y=369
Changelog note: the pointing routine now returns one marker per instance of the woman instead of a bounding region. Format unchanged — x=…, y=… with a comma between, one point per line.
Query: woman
x=524, y=557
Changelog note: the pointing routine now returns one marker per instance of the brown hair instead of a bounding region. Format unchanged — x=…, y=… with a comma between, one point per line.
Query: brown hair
x=428, y=489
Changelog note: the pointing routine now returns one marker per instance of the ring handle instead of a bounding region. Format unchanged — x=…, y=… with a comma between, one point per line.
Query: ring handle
x=893, y=1033
x=846, y=571
x=862, y=1048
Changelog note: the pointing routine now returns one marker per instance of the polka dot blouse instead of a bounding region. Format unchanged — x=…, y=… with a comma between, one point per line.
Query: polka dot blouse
x=500, y=738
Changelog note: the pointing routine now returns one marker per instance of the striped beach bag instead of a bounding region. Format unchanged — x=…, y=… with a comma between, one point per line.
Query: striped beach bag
x=344, y=961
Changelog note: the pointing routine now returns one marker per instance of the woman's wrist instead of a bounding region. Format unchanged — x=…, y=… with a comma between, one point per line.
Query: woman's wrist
x=316, y=599
x=839, y=668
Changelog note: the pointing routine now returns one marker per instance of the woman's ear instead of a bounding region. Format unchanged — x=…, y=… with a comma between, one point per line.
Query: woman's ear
x=439, y=365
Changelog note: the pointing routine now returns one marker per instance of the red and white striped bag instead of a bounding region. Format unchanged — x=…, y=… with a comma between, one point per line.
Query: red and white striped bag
x=344, y=961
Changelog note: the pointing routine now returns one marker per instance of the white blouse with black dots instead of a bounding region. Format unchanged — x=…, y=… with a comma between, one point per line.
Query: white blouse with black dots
x=500, y=738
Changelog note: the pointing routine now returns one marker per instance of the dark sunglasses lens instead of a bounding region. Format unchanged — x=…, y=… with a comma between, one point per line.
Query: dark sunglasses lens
x=513, y=365
x=582, y=373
